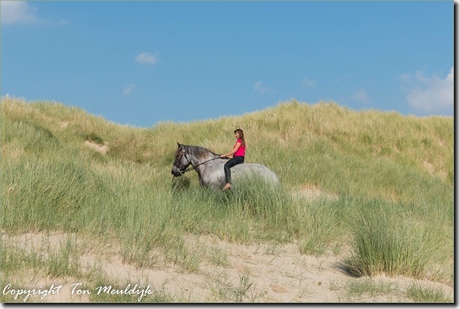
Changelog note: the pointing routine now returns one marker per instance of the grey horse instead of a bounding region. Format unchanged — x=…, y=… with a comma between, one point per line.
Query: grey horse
x=210, y=167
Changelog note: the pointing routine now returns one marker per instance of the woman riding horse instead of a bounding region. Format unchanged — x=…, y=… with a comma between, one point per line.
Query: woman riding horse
x=236, y=157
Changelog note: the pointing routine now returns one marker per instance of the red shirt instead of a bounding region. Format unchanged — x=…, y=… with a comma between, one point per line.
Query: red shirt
x=241, y=151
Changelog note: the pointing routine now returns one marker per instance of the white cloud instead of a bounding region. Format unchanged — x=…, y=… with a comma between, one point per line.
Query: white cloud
x=308, y=83
x=128, y=89
x=360, y=96
x=430, y=95
x=14, y=12
x=260, y=87
x=147, y=58
x=21, y=12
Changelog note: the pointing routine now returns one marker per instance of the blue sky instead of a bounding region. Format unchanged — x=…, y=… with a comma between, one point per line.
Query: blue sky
x=140, y=63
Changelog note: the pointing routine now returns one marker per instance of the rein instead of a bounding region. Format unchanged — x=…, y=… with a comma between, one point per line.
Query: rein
x=194, y=167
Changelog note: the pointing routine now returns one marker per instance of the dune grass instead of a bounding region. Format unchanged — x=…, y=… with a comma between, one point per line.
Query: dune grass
x=392, y=177
x=427, y=295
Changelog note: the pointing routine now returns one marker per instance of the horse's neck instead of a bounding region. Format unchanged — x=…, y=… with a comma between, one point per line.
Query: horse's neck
x=205, y=156
x=199, y=163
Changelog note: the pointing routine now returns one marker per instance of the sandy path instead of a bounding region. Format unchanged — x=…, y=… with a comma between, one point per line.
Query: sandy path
x=246, y=273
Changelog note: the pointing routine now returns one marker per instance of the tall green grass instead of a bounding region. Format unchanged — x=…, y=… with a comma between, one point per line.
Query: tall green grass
x=386, y=238
x=392, y=176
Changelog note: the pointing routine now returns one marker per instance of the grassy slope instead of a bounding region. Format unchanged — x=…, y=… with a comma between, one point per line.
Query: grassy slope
x=393, y=176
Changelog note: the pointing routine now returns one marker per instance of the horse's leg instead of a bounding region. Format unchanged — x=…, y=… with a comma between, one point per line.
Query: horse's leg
x=200, y=178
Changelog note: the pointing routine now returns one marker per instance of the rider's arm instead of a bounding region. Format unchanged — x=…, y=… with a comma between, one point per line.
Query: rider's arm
x=231, y=153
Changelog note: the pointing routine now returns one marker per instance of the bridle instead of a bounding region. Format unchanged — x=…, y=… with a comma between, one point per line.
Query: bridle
x=184, y=170
x=179, y=159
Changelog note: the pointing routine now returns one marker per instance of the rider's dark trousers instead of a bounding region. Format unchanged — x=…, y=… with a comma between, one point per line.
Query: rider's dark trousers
x=230, y=163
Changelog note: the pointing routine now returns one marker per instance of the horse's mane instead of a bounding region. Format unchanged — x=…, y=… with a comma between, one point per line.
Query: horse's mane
x=199, y=151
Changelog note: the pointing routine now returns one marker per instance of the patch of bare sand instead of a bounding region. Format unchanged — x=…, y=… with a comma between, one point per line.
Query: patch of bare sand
x=312, y=192
x=103, y=149
x=429, y=167
x=243, y=273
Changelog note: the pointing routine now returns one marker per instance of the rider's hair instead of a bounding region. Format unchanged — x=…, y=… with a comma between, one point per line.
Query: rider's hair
x=243, y=142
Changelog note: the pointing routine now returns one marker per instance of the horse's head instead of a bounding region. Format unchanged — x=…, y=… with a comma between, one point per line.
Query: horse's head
x=181, y=161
